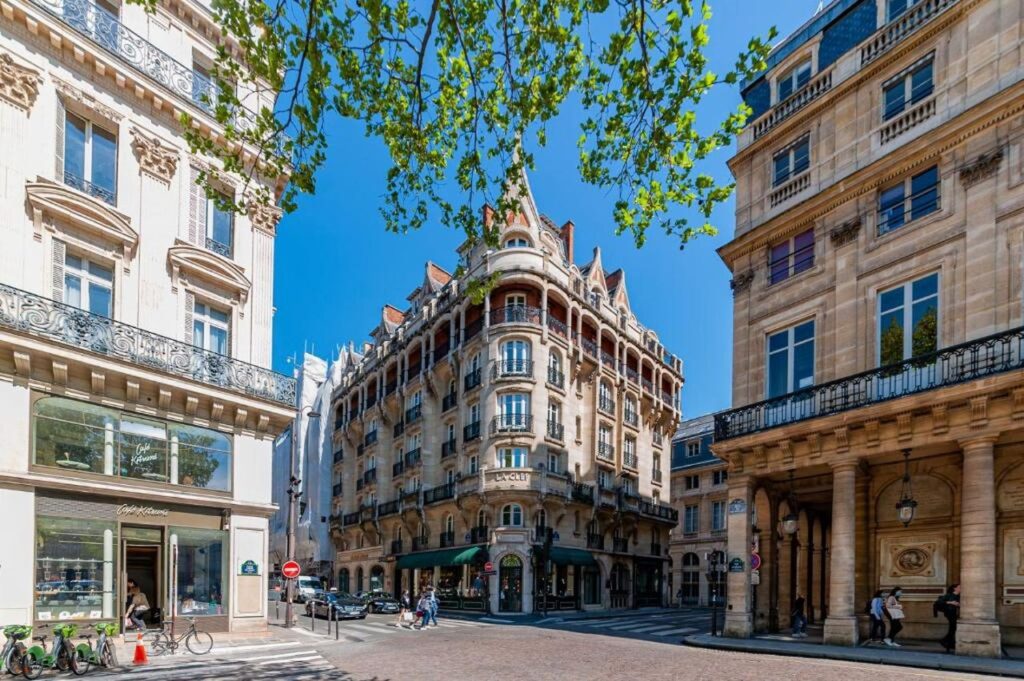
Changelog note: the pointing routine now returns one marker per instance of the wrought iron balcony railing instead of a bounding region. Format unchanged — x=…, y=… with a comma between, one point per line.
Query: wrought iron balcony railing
x=655, y=510
x=513, y=368
x=28, y=313
x=93, y=190
x=397, y=468
x=370, y=438
x=631, y=417
x=516, y=314
x=595, y=541
x=620, y=545
x=420, y=543
x=472, y=379
x=218, y=248
x=479, y=534
x=449, y=401
x=558, y=326
x=413, y=413
x=396, y=546
x=439, y=493
x=389, y=508
x=606, y=451
x=103, y=28
x=973, y=360
x=413, y=457
x=556, y=377
x=630, y=460
x=336, y=490
x=448, y=448
x=512, y=423
x=447, y=539
x=584, y=493
x=556, y=431
x=398, y=429
x=471, y=431
x=350, y=519
x=606, y=404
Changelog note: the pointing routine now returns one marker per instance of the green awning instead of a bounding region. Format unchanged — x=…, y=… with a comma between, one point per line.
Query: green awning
x=458, y=556
x=561, y=555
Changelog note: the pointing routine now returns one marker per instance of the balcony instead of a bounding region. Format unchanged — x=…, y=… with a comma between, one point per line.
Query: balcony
x=413, y=371
x=27, y=313
x=449, y=448
x=389, y=508
x=420, y=543
x=649, y=508
x=817, y=87
x=390, y=388
x=413, y=414
x=370, y=476
x=595, y=541
x=556, y=431
x=370, y=438
x=589, y=346
x=608, y=360
x=335, y=522
x=511, y=423
x=350, y=519
x=471, y=380
x=367, y=512
x=629, y=460
x=440, y=493
x=94, y=190
x=582, y=493
x=447, y=539
x=336, y=490
x=398, y=429
x=557, y=326
x=353, y=414
x=471, y=432
x=440, y=352
x=620, y=545
x=525, y=480
x=606, y=404
x=516, y=314
x=474, y=328
x=631, y=417
x=606, y=451
x=556, y=378
x=449, y=402
x=915, y=17
x=396, y=546
x=397, y=469
x=970, y=361
x=479, y=535
x=98, y=25
x=219, y=248
x=512, y=368
x=413, y=458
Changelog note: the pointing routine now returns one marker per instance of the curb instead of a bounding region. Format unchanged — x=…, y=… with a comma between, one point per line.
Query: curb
x=934, y=661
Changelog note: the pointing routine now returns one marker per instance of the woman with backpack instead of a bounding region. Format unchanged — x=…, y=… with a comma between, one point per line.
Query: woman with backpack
x=894, y=611
x=876, y=611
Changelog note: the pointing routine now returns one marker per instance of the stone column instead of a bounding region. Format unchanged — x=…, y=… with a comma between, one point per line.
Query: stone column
x=739, y=619
x=841, y=623
x=978, y=630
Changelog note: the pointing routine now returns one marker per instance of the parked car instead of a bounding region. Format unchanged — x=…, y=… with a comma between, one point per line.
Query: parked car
x=379, y=602
x=344, y=605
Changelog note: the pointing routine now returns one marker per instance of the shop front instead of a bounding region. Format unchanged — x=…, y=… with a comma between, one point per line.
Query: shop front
x=86, y=551
x=456, y=574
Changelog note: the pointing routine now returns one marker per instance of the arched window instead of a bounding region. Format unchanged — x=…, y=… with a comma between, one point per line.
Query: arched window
x=481, y=518
x=555, y=375
x=540, y=518
x=517, y=242
x=359, y=576
x=512, y=515
x=343, y=580
x=605, y=402
x=515, y=357
x=376, y=578
x=449, y=524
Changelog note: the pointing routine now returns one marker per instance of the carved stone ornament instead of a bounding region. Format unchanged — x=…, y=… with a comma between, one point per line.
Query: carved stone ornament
x=88, y=101
x=155, y=158
x=18, y=85
x=983, y=167
x=741, y=282
x=845, y=233
x=263, y=215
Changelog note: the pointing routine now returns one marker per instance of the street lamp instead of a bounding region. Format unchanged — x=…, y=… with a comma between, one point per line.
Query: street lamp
x=907, y=504
x=294, y=492
x=716, y=572
x=791, y=520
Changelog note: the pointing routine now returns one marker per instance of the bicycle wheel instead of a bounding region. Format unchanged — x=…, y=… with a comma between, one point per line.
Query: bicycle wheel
x=12, y=665
x=31, y=666
x=199, y=642
x=161, y=644
x=79, y=659
x=108, y=657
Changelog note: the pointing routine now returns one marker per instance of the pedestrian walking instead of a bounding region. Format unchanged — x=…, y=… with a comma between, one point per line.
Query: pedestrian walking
x=137, y=605
x=422, y=607
x=404, y=609
x=894, y=611
x=799, y=617
x=950, y=607
x=877, y=612
x=433, y=606
x=679, y=597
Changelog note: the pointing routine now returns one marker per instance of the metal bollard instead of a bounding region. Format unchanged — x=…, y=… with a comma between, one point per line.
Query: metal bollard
x=336, y=627
x=330, y=619
x=312, y=618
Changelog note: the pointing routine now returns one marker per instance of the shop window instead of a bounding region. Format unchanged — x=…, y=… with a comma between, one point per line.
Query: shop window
x=82, y=437
x=76, y=569
x=202, y=571
x=691, y=579
x=344, y=580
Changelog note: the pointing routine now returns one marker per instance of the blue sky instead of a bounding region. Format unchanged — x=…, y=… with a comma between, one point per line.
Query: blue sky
x=336, y=266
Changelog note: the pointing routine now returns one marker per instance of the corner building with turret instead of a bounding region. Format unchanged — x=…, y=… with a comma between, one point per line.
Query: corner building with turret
x=512, y=452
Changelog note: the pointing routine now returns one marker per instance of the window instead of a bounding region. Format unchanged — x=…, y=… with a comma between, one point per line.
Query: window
x=472, y=465
x=691, y=519
x=413, y=483
x=449, y=524
x=515, y=300
x=791, y=359
x=791, y=257
x=656, y=465
x=203, y=92
x=914, y=306
x=718, y=515
x=210, y=329
x=202, y=571
x=898, y=7
x=791, y=161
x=449, y=476
x=907, y=89
x=515, y=356
x=514, y=411
x=90, y=158
x=474, y=413
x=481, y=519
x=512, y=457
x=555, y=376
x=88, y=285
x=794, y=79
x=720, y=477
x=554, y=413
x=604, y=435
x=630, y=411
x=75, y=569
x=691, y=579
x=692, y=448
x=604, y=478
x=909, y=200
x=629, y=485
x=517, y=242
x=512, y=515
x=692, y=482
x=554, y=463
x=629, y=452
x=220, y=221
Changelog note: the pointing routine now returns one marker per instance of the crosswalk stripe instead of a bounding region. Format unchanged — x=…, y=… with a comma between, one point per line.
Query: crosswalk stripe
x=295, y=653
x=645, y=628
x=373, y=629
x=683, y=630
x=315, y=656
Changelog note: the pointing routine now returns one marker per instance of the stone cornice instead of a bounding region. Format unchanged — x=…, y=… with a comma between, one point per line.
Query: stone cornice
x=19, y=84
x=155, y=157
x=47, y=198
x=210, y=266
x=88, y=101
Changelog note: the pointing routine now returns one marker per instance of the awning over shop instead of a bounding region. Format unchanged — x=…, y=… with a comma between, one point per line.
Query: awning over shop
x=561, y=555
x=457, y=556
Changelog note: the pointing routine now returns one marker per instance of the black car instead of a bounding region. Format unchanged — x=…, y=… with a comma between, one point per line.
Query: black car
x=344, y=605
x=379, y=602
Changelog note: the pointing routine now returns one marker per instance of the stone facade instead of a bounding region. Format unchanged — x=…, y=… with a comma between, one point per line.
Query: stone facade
x=472, y=432
x=903, y=147
x=135, y=327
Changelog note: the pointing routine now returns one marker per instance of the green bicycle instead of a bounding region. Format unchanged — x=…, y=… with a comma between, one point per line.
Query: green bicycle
x=14, y=650
x=104, y=654
x=63, y=656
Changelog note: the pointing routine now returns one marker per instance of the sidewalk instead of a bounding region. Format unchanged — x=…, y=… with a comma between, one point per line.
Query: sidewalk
x=864, y=654
x=563, y=615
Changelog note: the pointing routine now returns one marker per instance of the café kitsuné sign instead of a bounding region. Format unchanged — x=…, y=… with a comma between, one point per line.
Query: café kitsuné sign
x=141, y=511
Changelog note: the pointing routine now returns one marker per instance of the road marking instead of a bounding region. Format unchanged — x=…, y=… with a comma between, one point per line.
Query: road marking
x=644, y=628
x=684, y=630
x=373, y=629
x=495, y=619
x=314, y=656
x=309, y=633
x=258, y=646
x=297, y=653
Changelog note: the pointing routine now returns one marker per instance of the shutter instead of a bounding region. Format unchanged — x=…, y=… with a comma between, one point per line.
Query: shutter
x=57, y=282
x=59, y=123
x=196, y=210
x=227, y=345
x=190, y=306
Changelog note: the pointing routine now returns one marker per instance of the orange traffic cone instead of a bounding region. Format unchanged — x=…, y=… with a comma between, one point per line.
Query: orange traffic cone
x=140, y=651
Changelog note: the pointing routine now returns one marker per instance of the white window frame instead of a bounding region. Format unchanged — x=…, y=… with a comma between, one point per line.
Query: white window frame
x=512, y=515
x=517, y=242
x=717, y=515
x=793, y=75
x=472, y=465
x=87, y=152
x=692, y=449
x=211, y=209
x=789, y=153
x=203, y=317
x=86, y=280
x=515, y=300
x=907, y=309
x=512, y=457
x=554, y=462
x=517, y=417
x=790, y=349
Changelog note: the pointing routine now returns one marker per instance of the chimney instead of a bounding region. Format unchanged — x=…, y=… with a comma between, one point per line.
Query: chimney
x=567, y=239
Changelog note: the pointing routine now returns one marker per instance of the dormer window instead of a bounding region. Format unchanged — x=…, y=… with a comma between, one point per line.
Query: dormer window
x=898, y=7
x=794, y=79
x=791, y=161
x=517, y=242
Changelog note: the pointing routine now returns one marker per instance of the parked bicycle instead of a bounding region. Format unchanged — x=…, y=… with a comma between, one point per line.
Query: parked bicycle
x=197, y=642
x=103, y=655
x=63, y=656
x=14, y=650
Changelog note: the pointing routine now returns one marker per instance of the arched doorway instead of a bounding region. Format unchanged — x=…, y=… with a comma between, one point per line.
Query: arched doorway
x=343, y=580
x=359, y=580
x=376, y=578
x=510, y=579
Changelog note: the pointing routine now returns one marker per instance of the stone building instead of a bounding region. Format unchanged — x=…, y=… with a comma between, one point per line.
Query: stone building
x=139, y=410
x=700, y=485
x=875, y=439
x=472, y=433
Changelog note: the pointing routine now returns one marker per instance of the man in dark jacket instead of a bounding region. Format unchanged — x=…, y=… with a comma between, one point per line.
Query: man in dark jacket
x=951, y=609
